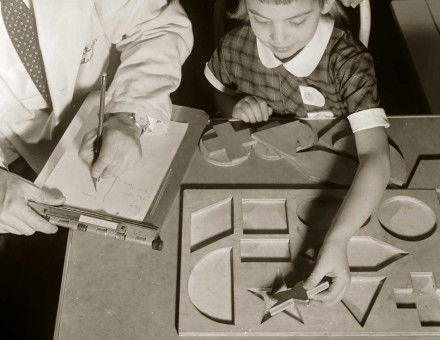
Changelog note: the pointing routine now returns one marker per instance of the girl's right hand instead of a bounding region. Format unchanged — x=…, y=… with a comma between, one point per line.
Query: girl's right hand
x=251, y=109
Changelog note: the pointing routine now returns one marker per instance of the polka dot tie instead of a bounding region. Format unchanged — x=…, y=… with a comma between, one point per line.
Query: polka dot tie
x=20, y=23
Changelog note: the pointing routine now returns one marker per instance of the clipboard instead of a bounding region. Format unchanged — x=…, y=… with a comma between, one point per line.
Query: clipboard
x=170, y=183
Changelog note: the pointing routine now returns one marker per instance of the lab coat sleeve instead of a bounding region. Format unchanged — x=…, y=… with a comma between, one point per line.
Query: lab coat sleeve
x=154, y=38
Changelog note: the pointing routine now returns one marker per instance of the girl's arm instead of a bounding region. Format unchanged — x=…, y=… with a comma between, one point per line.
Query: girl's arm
x=362, y=198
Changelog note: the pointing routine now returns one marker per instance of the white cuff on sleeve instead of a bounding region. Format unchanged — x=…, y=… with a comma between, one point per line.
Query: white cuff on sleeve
x=367, y=119
x=157, y=117
x=216, y=83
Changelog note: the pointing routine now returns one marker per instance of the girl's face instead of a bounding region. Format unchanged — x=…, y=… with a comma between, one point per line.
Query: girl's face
x=285, y=28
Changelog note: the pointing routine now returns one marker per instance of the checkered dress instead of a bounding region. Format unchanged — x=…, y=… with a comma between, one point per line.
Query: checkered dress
x=345, y=75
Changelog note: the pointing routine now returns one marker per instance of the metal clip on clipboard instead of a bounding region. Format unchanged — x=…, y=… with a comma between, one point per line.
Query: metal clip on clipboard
x=111, y=226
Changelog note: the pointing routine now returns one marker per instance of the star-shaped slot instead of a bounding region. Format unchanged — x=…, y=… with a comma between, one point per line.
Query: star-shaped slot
x=274, y=306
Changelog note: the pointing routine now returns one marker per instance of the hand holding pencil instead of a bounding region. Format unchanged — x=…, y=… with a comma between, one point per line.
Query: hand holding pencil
x=114, y=146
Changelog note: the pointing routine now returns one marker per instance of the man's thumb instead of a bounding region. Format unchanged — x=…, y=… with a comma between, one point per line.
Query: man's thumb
x=51, y=197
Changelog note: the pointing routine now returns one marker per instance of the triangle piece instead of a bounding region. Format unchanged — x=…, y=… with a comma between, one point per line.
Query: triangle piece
x=286, y=138
x=328, y=136
x=361, y=296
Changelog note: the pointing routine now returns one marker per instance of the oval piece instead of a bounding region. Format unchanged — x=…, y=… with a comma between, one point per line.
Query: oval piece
x=407, y=218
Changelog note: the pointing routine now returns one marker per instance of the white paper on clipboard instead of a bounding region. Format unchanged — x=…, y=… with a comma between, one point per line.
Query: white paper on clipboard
x=128, y=196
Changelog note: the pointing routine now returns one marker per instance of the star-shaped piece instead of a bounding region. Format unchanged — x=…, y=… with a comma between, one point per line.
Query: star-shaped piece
x=266, y=294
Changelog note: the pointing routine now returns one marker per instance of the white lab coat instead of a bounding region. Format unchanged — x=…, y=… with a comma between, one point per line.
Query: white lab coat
x=75, y=38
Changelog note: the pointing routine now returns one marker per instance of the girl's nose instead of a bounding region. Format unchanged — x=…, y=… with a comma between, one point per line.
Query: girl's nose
x=277, y=34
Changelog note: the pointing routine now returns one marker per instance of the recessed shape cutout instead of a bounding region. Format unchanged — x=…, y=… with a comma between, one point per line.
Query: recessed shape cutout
x=210, y=286
x=265, y=250
x=361, y=296
x=266, y=152
x=266, y=294
x=264, y=216
x=399, y=172
x=318, y=213
x=407, y=218
x=366, y=253
x=347, y=144
x=423, y=296
x=211, y=223
x=325, y=166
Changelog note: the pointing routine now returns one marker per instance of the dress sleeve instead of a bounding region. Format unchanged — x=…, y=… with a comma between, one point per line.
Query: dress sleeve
x=358, y=90
x=218, y=70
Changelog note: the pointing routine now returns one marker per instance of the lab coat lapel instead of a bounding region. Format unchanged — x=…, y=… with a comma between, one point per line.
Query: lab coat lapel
x=61, y=34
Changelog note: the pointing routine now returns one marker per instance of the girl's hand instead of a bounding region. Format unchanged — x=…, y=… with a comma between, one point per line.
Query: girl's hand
x=332, y=262
x=252, y=109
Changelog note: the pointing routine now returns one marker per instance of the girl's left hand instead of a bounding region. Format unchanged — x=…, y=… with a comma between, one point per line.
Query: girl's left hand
x=331, y=262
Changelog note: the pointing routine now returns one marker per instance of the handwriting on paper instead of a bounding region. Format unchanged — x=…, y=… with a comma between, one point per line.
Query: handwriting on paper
x=131, y=194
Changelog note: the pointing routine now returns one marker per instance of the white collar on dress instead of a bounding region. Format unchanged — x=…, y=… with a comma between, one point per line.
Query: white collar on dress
x=305, y=62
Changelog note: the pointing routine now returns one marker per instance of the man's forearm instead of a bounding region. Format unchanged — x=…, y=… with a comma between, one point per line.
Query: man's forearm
x=153, y=48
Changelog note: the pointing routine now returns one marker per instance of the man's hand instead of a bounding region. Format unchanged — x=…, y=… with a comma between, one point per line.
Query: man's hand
x=351, y=3
x=332, y=262
x=252, y=109
x=121, y=147
x=15, y=215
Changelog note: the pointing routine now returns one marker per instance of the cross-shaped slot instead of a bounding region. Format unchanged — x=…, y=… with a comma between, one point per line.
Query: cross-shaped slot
x=424, y=296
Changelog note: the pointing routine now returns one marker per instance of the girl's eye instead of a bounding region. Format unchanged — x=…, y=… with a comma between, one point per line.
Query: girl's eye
x=261, y=21
x=297, y=21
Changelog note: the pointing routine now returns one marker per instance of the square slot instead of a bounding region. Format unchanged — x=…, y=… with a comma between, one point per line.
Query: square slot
x=264, y=216
x=265, y=250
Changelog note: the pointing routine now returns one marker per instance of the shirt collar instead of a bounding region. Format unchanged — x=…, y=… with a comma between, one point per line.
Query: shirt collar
x=305, y=62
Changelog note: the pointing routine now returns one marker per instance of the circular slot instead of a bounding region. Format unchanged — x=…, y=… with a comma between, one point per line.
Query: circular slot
x=318, y=213
x=407, y=218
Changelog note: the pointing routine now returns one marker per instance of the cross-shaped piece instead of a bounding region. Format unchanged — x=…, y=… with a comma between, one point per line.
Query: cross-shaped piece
x=424, y=296
x=231, y=141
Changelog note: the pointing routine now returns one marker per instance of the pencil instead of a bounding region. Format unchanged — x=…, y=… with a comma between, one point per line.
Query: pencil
x=98, y=141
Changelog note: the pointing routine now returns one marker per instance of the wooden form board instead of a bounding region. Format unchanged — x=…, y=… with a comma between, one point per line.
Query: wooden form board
x=418, y=20
x=224, y=284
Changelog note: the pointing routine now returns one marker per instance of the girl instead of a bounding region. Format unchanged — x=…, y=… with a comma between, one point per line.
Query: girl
x=289, y=58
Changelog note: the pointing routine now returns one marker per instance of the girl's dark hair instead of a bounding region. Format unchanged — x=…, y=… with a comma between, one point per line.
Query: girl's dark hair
x=241, y=14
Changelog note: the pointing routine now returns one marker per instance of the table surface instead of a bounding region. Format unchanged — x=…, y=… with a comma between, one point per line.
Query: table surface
x=117, y=290
x=419, y=22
